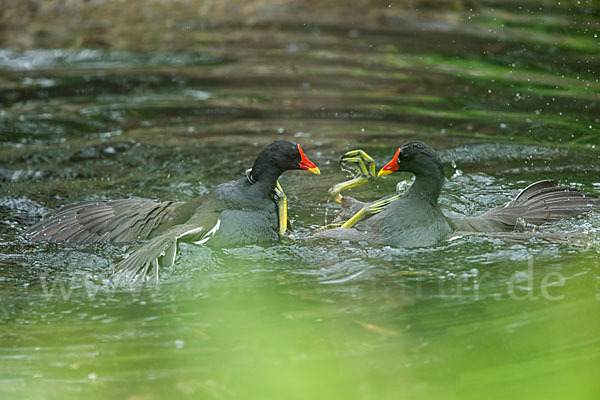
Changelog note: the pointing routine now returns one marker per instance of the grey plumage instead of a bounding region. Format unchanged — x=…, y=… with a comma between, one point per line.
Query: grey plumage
x=236, y=212
x=415, y=219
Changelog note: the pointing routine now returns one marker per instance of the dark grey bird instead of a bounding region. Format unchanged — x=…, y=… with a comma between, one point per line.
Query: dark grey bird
x=415, y=219
x=232, y=213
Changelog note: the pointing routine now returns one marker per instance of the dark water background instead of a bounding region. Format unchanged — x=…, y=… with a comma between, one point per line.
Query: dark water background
x=508, y=95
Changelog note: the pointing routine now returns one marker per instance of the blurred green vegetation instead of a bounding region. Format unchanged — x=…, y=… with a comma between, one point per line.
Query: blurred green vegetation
x=148, y=25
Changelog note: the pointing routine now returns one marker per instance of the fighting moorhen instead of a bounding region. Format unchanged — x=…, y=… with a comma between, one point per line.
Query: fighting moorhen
x=415, y=219
x=236, y=212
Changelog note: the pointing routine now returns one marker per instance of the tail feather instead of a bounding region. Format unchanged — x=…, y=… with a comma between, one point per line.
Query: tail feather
x=542, y=202
x=534, y=188
x=541, y=188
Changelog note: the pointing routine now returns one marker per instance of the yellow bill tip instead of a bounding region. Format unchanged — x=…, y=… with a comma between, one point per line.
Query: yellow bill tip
x=314, y=170
x=384, y=171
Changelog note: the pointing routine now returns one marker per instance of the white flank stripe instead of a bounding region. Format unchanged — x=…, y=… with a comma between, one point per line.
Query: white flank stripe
x=210, y=233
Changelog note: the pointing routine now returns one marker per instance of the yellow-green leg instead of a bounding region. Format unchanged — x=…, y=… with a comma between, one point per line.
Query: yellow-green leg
x=361, y=165
x=281, y=200
x=369, y=210
x=329, y=226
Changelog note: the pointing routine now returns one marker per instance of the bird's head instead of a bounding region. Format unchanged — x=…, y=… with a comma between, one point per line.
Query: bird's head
x=415, y=157
x=287, y=155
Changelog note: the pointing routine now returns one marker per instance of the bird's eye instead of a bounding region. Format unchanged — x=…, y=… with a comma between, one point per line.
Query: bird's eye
x=292, y=155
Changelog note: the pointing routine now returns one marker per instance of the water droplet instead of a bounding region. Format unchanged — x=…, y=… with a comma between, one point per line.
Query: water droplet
x=109, y=150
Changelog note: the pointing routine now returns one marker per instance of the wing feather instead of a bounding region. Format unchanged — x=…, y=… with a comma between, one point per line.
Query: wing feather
x=105, y=221
x=158, y=252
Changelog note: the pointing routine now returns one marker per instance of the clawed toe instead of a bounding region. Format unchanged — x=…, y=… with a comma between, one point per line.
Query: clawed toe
x=360, y=165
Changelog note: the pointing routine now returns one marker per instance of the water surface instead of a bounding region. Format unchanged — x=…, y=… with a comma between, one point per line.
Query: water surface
x=507, y=101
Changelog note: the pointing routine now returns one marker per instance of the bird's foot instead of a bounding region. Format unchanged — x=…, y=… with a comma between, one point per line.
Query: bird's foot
x=360, y=165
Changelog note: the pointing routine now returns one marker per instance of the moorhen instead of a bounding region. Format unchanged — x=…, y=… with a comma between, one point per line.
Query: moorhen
x=236, y=212
x=414, y=219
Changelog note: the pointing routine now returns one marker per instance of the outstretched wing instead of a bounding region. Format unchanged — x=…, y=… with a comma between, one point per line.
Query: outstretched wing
x=105, y=221
x=161, y=251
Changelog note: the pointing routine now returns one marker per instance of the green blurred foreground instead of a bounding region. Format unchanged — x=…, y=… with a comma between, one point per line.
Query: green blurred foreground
x=163, y=100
